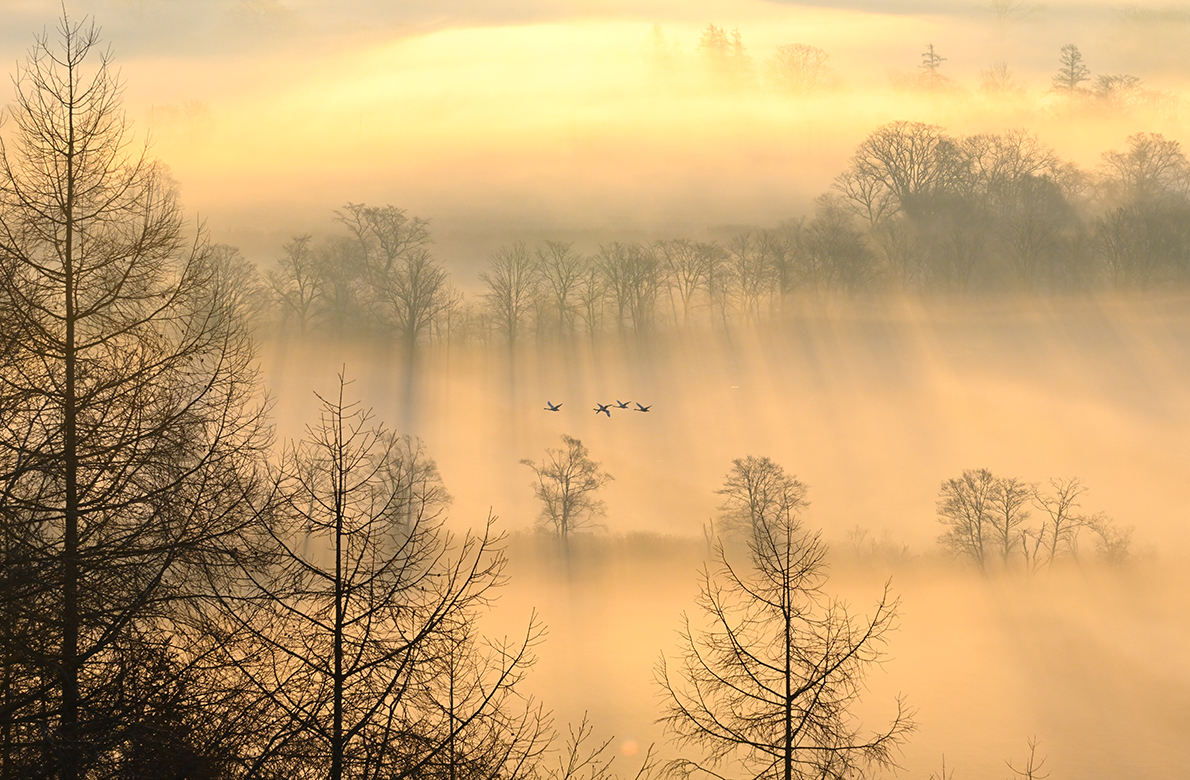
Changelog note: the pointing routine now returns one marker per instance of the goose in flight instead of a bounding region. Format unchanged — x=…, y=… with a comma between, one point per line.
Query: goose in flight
x=640, y=408
x=623, y=404
x=551, y=407
x=602, y=408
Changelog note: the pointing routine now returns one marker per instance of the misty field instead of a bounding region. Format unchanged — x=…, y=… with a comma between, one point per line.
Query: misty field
x=873, y=407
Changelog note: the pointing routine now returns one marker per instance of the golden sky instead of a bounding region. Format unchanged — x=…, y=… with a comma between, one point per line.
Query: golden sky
x=586, y=121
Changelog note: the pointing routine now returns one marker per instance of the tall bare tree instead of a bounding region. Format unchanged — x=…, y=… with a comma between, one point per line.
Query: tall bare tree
x=359, y=627
x=633, y=277
x=1008, y=512
x=965, y=507
x=1061, y=522
x=561, y=269
x=407, y=286
x=686, y=268
x=130, y=433
x=769, y=677
x=758, y=493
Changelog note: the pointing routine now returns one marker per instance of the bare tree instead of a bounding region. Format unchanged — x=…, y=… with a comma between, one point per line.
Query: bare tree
x=129, y=434
x=832, y=254
x=295, y=281
x=579, y=759
x=512, y=287
x=686, y=266
x=998, y=81
x=758, y=493
x=632, y=274
x=1033, y=765
x=1112, y=541
x=753, y=276
x=965, y=507
x=769, y=680
x=408, y=287
x=560, y=268
x=1061, y=522
x=799, y=69
x=1117, y=91
x=359, y=626
x=342, y=287
x=902, y=166
x=1007, y=514
x=240, y=284
x=566, y=482
x=1154, y=168
x=1010, y=12
x=590, y=293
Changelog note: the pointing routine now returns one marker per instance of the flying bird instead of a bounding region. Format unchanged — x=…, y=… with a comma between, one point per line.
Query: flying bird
x=640, y=408
x=622, y=404
x=602, y=408
x=551, y=407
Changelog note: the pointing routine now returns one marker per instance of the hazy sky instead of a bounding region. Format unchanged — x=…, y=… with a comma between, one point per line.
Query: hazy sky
x=505, y=120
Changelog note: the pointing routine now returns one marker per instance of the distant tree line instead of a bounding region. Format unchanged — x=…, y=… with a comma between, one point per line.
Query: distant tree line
x=721, y=62
x=987, y=522
x=916, y=210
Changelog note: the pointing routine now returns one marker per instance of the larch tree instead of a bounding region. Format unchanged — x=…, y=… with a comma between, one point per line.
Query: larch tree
x=130, y=429
x=770, y=672
x=358, y=628
x=1072, y=71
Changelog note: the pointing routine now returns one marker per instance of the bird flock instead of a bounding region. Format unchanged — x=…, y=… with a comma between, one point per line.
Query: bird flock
x=602, y=408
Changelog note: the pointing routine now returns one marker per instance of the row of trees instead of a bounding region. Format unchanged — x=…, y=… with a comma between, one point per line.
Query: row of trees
x=1004, y=212
x=987, y=521
x=916, y=209
x=801, y=69
x=986, y=517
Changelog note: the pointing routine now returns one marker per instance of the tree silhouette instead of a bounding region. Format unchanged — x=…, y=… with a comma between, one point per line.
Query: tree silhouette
x=566, y=482
x=408, y=288
x=1071, y=72
x=931, y=67
x=295, y=281
x=129, y=436
x=768, y=679
x=965, y=507
x=799, y=69
x=358, y=627
x=725, y=54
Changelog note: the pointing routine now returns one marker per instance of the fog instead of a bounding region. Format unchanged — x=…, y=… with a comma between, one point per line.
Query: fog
x=520, y=120
x=597, y=121
x=872, y=407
